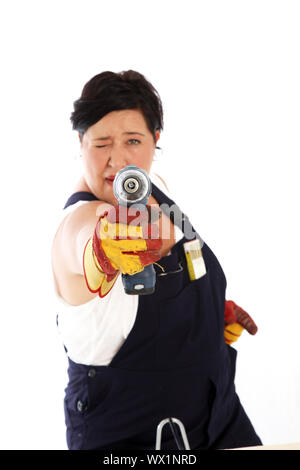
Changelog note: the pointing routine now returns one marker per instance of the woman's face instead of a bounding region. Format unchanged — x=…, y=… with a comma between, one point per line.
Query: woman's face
x=120, y=138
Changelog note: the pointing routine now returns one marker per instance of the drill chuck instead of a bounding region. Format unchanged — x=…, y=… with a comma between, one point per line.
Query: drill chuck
x=132, y=185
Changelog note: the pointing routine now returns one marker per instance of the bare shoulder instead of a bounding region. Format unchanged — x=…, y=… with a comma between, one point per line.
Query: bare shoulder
x=81, y=185
x=75, y=229
x=87, y=213
x=67, y=251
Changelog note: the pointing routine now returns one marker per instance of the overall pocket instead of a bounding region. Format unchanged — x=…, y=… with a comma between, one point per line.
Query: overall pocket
x=189, y=327
x=75, y=408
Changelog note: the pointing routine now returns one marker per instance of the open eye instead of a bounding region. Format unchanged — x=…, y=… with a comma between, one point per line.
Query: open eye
x=134, y=141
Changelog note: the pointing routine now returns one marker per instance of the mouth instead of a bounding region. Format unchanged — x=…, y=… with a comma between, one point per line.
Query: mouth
x=110, y=179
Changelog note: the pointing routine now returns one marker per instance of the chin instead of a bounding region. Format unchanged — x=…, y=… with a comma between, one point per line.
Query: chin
x=108, y=196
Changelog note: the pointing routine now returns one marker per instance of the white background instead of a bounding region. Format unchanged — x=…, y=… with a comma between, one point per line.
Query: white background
x=228, y=74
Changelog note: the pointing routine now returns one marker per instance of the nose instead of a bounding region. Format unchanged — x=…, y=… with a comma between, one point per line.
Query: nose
x=117, y=159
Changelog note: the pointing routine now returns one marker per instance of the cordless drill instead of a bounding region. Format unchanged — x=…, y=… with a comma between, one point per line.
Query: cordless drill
x=132, y=186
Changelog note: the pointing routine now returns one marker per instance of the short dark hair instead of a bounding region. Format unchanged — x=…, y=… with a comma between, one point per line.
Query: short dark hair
x=110, y=91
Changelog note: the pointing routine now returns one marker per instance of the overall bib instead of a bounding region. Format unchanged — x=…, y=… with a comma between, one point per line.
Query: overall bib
x=174, y=363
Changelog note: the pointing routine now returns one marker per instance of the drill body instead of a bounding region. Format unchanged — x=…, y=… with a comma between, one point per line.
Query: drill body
x=132, y=188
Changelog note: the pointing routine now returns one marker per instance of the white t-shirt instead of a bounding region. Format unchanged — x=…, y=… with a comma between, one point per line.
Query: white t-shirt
x=94, y=332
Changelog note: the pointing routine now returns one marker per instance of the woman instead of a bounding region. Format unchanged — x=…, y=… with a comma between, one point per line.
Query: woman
x=135, y=360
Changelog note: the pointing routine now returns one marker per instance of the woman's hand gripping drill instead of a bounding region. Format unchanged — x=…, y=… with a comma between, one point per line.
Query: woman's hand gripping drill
x=124, y=240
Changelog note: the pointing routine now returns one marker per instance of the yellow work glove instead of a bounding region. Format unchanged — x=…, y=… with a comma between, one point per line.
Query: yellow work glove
x=236, y=320
x=123, y=241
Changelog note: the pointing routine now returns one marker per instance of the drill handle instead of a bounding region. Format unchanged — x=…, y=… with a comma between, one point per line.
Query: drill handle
x=142, y=283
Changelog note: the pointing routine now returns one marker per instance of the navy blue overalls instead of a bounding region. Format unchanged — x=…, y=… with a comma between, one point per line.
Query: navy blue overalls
x=174, y=363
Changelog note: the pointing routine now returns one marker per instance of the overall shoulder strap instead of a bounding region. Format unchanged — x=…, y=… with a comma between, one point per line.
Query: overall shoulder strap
x=80, y=196
x=178, y=218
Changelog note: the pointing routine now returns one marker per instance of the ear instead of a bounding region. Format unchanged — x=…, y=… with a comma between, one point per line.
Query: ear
x=157, y=136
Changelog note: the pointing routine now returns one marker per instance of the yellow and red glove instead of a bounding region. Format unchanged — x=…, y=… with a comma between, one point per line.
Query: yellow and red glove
x=236, y=320
x=124, y=242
